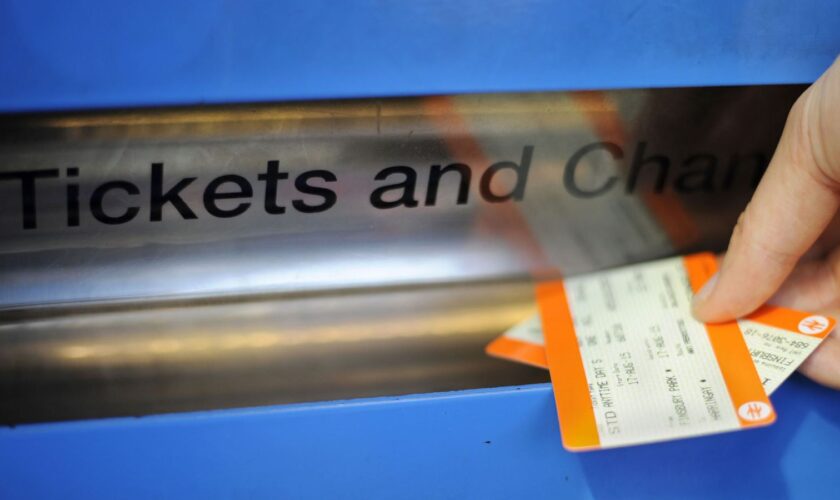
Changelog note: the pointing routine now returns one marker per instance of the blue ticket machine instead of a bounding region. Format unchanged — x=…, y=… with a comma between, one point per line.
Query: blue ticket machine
x=256, y=249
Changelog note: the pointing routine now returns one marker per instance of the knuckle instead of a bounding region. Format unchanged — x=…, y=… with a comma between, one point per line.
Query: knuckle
x=811, y=146
x=767, y=250
x=771, y=252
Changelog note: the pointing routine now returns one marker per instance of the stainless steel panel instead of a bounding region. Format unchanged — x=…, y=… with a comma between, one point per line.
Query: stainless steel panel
x=726, y=132
x=151, y=316
x=187, y=356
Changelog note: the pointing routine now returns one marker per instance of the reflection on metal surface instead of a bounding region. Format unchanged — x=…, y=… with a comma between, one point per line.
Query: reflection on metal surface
x=167, y=260
x=680, y=166
x=94, y=363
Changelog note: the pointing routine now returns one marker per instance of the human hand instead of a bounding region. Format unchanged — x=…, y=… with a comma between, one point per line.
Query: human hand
x=789, y=216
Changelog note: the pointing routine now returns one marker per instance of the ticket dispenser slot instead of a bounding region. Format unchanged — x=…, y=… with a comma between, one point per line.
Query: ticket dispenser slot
x=161, y=260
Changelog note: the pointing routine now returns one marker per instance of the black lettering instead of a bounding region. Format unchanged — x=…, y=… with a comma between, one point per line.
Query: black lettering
x=303, y=186
x=572, y=165
x=434, y=182
x=72, y=199
x=521, y=171
x=408, y=186
x=212, y=194
x=702, y=179
x=27, y=191
x=639, y=161
x=271, y=177
x=98, y=196
x=173, y=195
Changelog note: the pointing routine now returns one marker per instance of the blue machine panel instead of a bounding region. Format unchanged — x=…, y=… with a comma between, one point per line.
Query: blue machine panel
x=64, y=55
x=495, y=443
x=499, y=443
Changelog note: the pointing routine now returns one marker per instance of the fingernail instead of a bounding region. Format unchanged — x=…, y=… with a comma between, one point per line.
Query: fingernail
x=705, y=290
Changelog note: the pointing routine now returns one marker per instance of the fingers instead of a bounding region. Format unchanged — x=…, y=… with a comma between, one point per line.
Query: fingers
x=815, y=286
x=795, y=201
x=823, y=365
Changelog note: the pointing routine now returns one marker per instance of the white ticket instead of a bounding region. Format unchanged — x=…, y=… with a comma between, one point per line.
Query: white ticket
x=630, y=365
x=779, y=340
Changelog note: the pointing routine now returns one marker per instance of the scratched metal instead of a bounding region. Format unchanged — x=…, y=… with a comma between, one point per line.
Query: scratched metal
x=354, y=244
x=148, y=317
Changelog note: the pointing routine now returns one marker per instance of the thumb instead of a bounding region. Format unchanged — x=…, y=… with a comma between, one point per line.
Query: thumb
x=791, y=207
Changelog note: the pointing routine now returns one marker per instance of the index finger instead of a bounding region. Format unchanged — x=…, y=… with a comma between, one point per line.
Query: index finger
x=792, y=206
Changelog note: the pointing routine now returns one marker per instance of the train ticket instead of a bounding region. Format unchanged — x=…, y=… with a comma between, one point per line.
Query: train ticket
x=630, y=365
x=779, y=340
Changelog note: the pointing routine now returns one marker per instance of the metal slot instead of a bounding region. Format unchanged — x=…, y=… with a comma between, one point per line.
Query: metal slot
x=130, y=361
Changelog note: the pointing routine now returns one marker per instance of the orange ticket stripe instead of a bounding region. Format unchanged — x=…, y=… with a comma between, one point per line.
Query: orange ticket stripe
x=733, y=356
x=788, y=319
x=518, y=350
x=568, y=378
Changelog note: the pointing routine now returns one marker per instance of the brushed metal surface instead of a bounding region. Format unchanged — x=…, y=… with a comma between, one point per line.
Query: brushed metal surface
x=124, y=361
x=354, y=244
x=159, y=316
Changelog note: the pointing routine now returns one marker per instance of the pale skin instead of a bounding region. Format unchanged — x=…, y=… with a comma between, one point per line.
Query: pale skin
x=786, y=248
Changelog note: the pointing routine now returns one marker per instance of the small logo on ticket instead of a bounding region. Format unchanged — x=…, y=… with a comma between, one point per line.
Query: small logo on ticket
x=812, y=325
x=754, y=411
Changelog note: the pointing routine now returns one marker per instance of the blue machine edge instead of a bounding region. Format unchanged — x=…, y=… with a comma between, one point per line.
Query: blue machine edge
x=490, y=443
x=98, y=54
